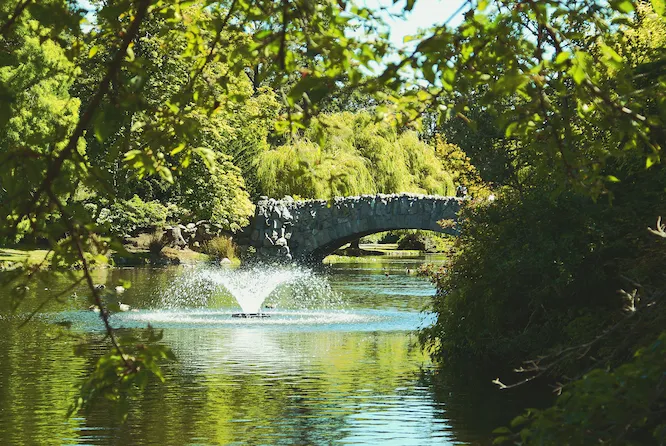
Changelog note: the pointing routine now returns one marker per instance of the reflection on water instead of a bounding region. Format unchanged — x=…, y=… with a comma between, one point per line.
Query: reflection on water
x=347, y=372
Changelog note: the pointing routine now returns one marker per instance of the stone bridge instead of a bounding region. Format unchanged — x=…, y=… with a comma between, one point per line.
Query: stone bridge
x=310, y=230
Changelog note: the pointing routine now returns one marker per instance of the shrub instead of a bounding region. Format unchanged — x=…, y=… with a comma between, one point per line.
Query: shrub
x=534, y=273
x=620, y=406
x=156, y=244
x=134, y=215
x=220, y=248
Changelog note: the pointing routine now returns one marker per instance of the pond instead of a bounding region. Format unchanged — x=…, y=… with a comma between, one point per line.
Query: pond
x=337, y=362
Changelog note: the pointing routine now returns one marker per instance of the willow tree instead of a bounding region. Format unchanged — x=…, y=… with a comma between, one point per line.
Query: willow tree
x=351, y=154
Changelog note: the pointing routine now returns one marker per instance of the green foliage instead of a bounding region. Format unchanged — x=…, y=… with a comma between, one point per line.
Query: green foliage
x=353, y=155
x=162, y=87
x=220, y=248
x=215, y=193
x=304, y=169
x=134, y=215
x=481, y=137
x=459, y=164
x=196, y=163
x=117, y=377
x=534, y=273
x=564, y=106
x=35, y=83
x=425, y=241
x=160, y=100
x=554, y=78
x=37, y=116
x=155, y=244
x=624, y=405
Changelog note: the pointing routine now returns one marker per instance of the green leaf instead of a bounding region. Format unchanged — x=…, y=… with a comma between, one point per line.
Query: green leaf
x=502, y=430
x=580, y=67
x=624, y=6
x=422, y=96
x=520, y=419
x=178, y=149
x=207, y=155
x=511, y=129
x=165, y=174
x=612, y=58
x=659, y=7
x=612, y=179
x=132, y=154
x=651, y=160
x=562, y=57
x=93, y=51
x=101, y=128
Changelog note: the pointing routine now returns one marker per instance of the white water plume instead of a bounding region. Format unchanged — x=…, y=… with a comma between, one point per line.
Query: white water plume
x=288, y=287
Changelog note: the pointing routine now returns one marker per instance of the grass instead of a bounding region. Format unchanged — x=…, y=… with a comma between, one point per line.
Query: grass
x=17, y=258
x=378, y=254
x=12, y=258
x=334, y=258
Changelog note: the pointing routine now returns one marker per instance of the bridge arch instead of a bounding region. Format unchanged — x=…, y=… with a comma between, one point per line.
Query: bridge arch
x=307, y=231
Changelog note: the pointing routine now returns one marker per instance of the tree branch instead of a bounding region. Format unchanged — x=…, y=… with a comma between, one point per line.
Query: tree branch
x=76, y=241
x=15, y=15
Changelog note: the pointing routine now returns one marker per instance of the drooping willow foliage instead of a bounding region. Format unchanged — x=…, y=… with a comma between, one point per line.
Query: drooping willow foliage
x=353, y=155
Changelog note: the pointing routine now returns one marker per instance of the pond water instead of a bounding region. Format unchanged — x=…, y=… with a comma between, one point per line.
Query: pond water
x=337, y=362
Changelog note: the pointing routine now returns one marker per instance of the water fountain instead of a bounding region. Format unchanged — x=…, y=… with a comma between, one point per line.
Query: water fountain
x=272, y=298
x=250, y=287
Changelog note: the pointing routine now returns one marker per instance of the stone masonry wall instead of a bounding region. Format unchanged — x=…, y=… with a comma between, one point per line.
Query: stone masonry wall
x=309, y=230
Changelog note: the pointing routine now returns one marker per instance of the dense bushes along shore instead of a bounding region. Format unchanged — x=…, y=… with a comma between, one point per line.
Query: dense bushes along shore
x=578, y=287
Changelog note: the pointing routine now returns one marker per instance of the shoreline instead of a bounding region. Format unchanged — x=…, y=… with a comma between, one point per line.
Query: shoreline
x=22, y=257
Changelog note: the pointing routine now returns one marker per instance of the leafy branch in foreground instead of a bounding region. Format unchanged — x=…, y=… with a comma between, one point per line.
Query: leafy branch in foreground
x=116, y=377
x=580, y=78
x=29, y=201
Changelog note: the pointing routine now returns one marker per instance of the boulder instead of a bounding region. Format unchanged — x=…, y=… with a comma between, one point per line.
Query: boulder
x=173, y=237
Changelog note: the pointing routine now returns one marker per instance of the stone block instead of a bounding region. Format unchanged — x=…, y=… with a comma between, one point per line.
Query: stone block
x=267, y=241
x=414, y=208
x=322, y=238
